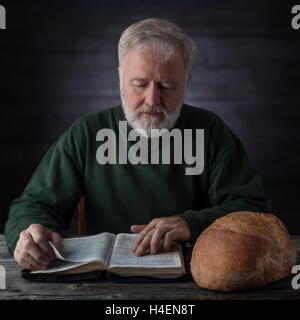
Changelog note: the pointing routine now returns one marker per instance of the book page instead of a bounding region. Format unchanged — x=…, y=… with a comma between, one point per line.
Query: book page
x=84, y=249
x=60, y=266
x=122, y=256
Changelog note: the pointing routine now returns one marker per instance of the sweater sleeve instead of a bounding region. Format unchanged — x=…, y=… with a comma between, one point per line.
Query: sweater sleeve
x=53, y=191
x=233, y=184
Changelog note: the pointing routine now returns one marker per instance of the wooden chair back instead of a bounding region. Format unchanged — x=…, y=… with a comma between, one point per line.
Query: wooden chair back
x=81, y=219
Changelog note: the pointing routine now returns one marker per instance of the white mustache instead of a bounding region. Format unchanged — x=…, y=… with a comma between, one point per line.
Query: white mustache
x=153, y=109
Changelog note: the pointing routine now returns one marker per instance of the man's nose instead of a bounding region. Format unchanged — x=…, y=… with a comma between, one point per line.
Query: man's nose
x=153, y=95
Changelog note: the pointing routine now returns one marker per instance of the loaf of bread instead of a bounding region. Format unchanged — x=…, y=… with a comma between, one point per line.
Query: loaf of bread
x=242, y=250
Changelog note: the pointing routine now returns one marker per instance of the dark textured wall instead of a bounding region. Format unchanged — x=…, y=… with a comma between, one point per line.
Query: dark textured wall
x=58, y=61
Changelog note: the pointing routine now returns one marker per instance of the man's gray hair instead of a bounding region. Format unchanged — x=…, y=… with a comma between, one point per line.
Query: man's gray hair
x=161, y=35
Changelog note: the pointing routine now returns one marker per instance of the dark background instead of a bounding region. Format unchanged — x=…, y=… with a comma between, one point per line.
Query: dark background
x=58, y=61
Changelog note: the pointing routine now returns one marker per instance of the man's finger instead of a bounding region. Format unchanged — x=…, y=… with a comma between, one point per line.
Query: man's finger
x=144, y=244
x=30, y=263
x=25, y=260
x=141, y=236
x=56, y=239
x=41, y=240
x=157, y=238
x=137, y=228
x=31, y=248
x=169, y=240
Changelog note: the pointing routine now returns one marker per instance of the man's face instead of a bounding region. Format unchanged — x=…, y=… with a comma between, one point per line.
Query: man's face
x=152, y=90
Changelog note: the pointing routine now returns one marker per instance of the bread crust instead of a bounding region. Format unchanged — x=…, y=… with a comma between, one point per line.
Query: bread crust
x=242, y=250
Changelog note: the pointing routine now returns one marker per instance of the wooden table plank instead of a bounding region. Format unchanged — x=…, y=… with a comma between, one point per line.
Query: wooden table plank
x=19, y=289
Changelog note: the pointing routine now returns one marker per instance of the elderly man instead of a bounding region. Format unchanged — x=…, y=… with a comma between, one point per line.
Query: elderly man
x=158, y=201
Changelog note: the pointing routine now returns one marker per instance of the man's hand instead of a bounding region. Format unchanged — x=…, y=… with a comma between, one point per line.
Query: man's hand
x=33, y=251
x=159, y=234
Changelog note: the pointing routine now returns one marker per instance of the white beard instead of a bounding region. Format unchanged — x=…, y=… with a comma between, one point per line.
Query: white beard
x=137, y=122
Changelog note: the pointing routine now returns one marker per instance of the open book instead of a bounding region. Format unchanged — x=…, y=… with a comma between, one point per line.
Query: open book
x=107, y=251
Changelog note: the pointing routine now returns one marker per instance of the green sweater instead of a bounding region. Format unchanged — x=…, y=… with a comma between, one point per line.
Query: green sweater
x=119, y=195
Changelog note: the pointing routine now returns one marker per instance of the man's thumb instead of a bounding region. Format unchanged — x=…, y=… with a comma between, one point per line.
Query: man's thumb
x=56, y=239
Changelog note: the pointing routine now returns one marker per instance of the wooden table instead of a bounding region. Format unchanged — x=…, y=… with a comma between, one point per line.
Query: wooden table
x=20, y=289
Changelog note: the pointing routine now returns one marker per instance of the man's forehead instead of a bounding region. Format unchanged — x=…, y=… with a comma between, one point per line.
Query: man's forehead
x=149, y=58
x=143, y=66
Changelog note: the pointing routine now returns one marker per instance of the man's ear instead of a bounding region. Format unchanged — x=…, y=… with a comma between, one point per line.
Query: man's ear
x=120, y=72
x=188, y=78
